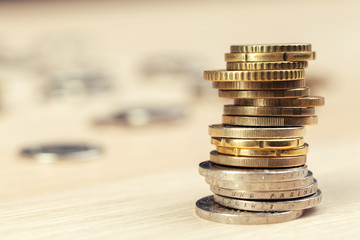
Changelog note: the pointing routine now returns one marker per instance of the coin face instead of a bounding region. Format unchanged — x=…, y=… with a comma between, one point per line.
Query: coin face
x=278, y=143
x=270, y=57
x=260, y=85
x=269, y=121
x=264, y=48
x=208, y=209
x=268, y=111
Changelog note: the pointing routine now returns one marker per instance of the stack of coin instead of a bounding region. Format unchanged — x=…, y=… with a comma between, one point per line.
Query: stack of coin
x=258, y=173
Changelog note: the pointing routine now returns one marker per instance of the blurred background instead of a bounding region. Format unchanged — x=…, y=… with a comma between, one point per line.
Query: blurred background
x=127, y=75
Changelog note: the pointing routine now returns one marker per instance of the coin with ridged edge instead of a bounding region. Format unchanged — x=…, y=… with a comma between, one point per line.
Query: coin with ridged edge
x=269, y=121
x=270, y=57
x=288, y=93
x=264, y=48
x=310, y=101
x=278, y=143
x=208, y=209
x=268, y=111
x=257, y=85
x=265, y=65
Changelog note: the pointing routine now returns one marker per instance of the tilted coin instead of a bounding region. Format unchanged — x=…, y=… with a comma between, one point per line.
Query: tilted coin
x=257, y=162
x=283, y=194
x=208, y=169
x=221, y=130
x=311, y=101
x=268, y=111
x=287, y=93
x=269, y=57
x=264, y=48
x=207, y=209
x=264, y=206
x=264, y=152
x=264, y=65
x=262, y=186
x=259, y=85
x=279, y=143
x=264, y=75
x=269, y=121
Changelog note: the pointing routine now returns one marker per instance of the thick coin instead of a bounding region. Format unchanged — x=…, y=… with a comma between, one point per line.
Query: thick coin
x=269, y=121
x=257, y=85
x=207, y=209
x=283, y=194
x=264, y=48
x=311, y=101
x=279, y=143
x=262, y=186
x=288, y=93
x=268, y=152
x=211, y=170
x=257, y=162
x=268, y=111
x=264, y=206
x=269, y=57
x=265, y=75
x=221, y=130
x=236, y=66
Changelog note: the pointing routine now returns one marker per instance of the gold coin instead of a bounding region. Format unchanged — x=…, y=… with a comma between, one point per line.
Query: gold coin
x=257, y=162
x=265, y=75
x=264, y=152
x=270, y=57
x=207, y=209
x=289, y=93
x=279, y=194
x=264, y=48
x=269, y=121
x=211, y=170
x=264, y=206
x=268, y=111
x=257, y=85
x=311, y=101
x=238, y=66
x=278, y=143
x=220, y=130
x=262, y=186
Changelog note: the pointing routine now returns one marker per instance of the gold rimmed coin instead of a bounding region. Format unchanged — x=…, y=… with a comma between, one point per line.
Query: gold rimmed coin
x=278, y=143
x=287, y=93
x=310, y=101
x=238, y=66
x=221, y=130
x=265, y=48
x=257, y=85
x=269, y=121
x=264, y=205
x=268, y=111
x=208, y=209
x=270, y=57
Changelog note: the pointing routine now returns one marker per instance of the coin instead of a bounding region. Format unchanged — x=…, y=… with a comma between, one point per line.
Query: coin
x=263, y=205
x=278, y=143
x=262, y=186
x=269, y=121
x=237, y=66
x=268, y=111
x=264, y=152
x=221, y=130
x=288, y=93
x=283, y=194
x=211, y=170
x=311, y=101
x=257, y=85
x=264, y=75
x=207, y=209
x=269, y=57
x=257, y=162
x=264, y=48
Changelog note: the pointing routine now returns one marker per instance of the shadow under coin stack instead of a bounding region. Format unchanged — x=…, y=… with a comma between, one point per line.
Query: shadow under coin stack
x=258, y=173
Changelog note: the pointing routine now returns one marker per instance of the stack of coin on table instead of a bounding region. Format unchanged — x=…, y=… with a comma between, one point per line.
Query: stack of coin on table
x=258, y=173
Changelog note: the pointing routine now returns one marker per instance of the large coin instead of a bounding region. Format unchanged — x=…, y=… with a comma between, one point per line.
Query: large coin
x=264, y=48
x=279, y=143
x=311, y=101
x=288, y=93
x=207, y=209
x=264, y=206
x=268, y=111
x=269, y=121
x=269, y=57
x=257, y=85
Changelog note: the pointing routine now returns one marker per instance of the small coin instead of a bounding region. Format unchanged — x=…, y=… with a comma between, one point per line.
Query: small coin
x=264, y=48
x=279, y=143
x=288, y=93
x=269, y=121
x=207, y=209
x=270, y=57
x=257, y=162
x=257, y=85
x=268, y=111
x=264, y=75
x=262, y=186
x=264, y=206
x=221, y=130
x=264, y=152
x=237, y=66
x=211, y=170
x=283, y=194
x=311, y=101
